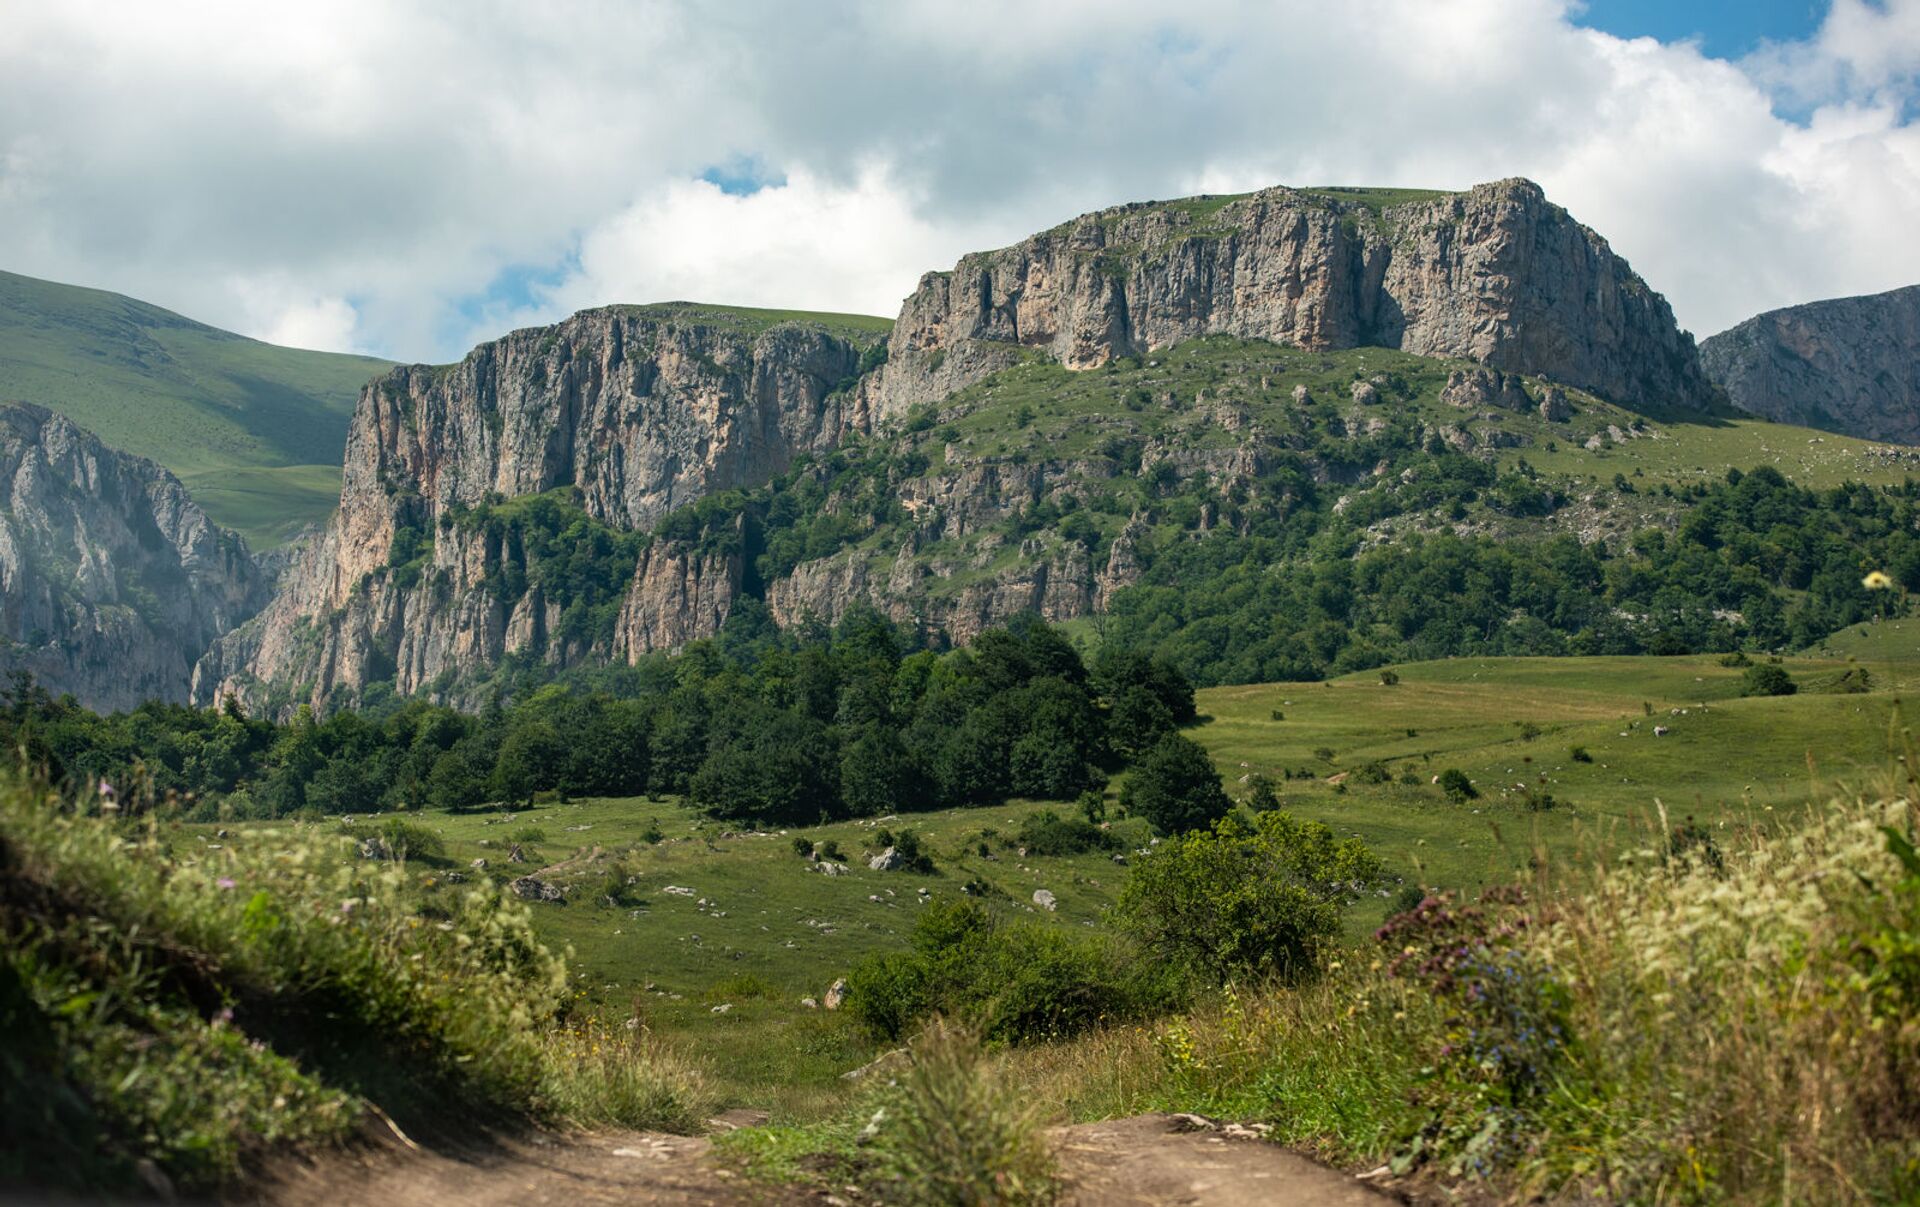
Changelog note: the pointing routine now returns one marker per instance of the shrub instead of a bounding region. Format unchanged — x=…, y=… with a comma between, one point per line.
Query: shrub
x=1015, y=981
x=1262, y=797
x=530, y=835
x=1737, y=658
x=1457, y=787
x=952, y=1132
x=1767, y=679
x=1579, y=754
x=1176, y=788
x=1259, y=900
x=1049, y=834
x=802, y=846
x=1370, y=773
x=1389, y=677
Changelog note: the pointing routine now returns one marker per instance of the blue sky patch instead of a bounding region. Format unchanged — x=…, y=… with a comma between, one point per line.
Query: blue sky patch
x=1725, y=29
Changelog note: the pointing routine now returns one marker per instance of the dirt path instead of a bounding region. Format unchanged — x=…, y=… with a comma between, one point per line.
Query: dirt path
x=1146, y=1161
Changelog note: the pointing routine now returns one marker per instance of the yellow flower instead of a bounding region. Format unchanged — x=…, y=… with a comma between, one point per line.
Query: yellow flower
x=1877, y=581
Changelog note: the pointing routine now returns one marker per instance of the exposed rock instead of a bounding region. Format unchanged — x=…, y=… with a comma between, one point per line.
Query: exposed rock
x=375, y=847
x=113, y=582
x=532, y=888
x=638, y=409
x=836, y=994
x=887, y=861
x=1554, y=405
x=826, y=867
x=1847, y=365
x=1365, y=394
x=1470, y=388
x=1044, y=899
x=1497, y=274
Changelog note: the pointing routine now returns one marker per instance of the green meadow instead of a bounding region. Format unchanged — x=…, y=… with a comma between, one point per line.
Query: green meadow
x=723, y=931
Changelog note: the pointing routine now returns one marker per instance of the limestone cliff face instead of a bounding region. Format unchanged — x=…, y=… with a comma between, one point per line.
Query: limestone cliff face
x=639, y=410
x=112, y=581
x=1497, y=274
x=1847, y=365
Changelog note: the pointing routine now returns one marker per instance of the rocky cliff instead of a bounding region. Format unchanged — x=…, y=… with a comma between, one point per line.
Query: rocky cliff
x=425, y=578
x=1497, y=275
x=1847, y=365
x=112, y=581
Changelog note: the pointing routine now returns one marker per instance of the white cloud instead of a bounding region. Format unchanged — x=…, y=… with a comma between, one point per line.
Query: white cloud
x=359, y=174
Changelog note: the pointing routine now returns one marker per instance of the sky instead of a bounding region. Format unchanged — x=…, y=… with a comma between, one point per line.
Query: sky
x=410, y=178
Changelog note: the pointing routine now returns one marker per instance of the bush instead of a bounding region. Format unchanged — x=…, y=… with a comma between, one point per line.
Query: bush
x=1014, y=981
x=529, y=835
x=1457, y=787
x=1176, y=788
x=802, y=846
x=1049, y=834
x=1579, y=754
x=1767, y=679
x=1259, y=900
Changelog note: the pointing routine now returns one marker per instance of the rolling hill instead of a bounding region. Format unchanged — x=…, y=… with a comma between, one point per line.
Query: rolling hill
x=256, y=431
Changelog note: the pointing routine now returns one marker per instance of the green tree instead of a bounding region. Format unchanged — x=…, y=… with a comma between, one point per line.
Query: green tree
x=529, y=761
x=1176, y=788
x=1767, y=679
x=1247, y=900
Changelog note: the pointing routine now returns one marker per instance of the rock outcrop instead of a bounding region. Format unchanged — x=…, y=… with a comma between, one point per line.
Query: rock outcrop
x=112, y=581
x=1497, y=274
x=1848, y=365
x=638, y=410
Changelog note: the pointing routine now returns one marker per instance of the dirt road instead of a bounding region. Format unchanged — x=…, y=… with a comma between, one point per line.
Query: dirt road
x=1145, y=1161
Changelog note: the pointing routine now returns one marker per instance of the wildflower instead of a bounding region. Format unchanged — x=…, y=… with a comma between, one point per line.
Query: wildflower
x=1877, y=581
x=224, y=882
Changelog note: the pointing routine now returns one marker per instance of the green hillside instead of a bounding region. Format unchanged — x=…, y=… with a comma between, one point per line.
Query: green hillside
x=254, y=430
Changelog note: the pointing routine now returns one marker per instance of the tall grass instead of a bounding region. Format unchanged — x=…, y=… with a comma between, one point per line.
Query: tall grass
x=171, y=1008
x=952, y=1132
x=1704, y=1022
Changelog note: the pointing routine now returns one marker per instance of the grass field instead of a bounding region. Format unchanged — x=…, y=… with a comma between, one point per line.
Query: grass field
x=733, y=918
x=245, y=424
x=267, y=504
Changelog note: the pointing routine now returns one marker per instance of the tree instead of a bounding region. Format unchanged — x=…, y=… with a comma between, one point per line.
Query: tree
x=530, y=760
x=1247, y=900
x=1176, y=788
x=455, y=783
x=1767, y=679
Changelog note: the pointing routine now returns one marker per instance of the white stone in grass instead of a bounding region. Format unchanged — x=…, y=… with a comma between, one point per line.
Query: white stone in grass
x=1043, y=899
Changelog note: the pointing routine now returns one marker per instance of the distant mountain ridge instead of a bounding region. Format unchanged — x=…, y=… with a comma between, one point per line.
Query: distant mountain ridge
x=256, y=431
x=1847, y=365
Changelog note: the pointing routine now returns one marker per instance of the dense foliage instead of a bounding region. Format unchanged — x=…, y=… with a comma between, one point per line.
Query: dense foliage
x=759, y=725
x=1756, y=562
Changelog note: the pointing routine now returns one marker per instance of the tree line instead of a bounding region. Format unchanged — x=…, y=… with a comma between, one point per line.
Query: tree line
x=760, y=725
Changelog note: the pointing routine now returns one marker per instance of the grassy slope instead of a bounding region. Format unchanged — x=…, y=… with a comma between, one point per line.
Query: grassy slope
x=771, y=932
x=252, y=428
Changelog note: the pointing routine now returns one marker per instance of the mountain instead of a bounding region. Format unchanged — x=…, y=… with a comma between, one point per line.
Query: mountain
x=1846, y=365
x=1040, y=427
x=1497, y=275
x=254, y=430
x=113, y=581
x=420, y=578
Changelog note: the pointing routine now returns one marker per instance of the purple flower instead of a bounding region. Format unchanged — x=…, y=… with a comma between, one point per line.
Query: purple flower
x=225, y=882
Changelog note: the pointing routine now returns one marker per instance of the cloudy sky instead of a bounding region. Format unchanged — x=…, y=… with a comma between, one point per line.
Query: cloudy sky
x=409, y=178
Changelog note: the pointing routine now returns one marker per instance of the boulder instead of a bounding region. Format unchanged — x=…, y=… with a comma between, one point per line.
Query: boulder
x=887, y=861
x=532, y=888
x=1365, y=394
x=836, y=994
x=1044, y=899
